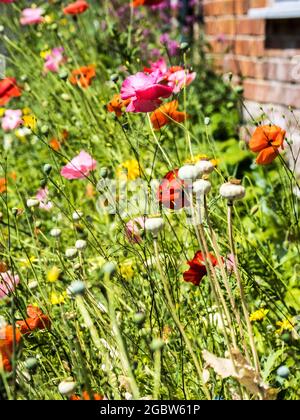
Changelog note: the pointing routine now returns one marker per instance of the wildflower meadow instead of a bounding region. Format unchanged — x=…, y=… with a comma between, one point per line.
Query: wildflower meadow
x=149, y=246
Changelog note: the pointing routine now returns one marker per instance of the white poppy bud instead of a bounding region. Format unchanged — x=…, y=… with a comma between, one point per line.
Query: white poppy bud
x=204, y=167
x=77, y=215
x=201, y=187
x=55, y=232
x=187, y=172
x=154, y=225
x=80, y=244
x=66, y=388
x=71, y=253
x=32, y=202
x=232, y=191
x=77, y=287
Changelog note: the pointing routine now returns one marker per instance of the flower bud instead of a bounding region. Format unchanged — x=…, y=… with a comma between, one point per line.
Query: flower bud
x=201, y=187
x=71, y=253
x=187, y=172
x=204, y=167
x=156, y=344
x=109, y=268
x=77, y=215
x=80, y=244
x=47, y=168
x=66, y=388
x=154, y=225
x=55, y=232
x=32, y=202
x=283, y=372
x=232, y=191
x=31, y=363
x=77, y=287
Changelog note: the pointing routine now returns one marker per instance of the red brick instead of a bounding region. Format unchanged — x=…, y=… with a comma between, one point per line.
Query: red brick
x=272, y=92
x=258, y=3
x=233, y=26
x=251, y=46
x=225, y=7
x=250, y=26
x=244, y=66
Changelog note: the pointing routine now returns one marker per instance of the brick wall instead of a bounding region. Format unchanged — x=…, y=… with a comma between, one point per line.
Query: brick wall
x=263, y=53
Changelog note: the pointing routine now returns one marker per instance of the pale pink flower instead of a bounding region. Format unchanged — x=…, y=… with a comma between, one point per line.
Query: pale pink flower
x=179, y=79
x=11, y=119
x=42, y=197
x=32, y=16
x=8, y=282
x=229, y=263
x=54, y=60
x=133, y=229
x=79, y=167
x=144, y=91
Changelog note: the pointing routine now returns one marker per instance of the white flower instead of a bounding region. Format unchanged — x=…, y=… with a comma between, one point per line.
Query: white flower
x=232, y=191
x=154, y=225
x=32, y=202
x=187, y=172
x=204, y=167
x=80, y=244
x=201, y=187
x=71, y=253
x=77, y=215
x=55, y=232
x=67, y=387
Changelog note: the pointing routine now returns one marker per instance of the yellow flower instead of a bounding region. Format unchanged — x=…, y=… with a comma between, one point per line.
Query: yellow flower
x=2, y=112
x=44, y=53
x=53, y=274
x=63, y=22
x=27, y=262
x=126, y=270
x=48, y=19
x=202, y=156
x=129, y=169
x=58, y=298
x=285, y=325
x=30, y=121
x=26, y=110
x=258, y=315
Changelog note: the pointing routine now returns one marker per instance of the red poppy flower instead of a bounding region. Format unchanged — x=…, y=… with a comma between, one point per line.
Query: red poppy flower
x=8, y=89
x=83, y=76
x=6, y=346
x=266, y=141
x=76, y=8
x=36, y=320
x=172, y=191
x=197, y=268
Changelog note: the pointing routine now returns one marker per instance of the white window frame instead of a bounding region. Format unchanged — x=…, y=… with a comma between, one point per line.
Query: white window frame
x=277, y=9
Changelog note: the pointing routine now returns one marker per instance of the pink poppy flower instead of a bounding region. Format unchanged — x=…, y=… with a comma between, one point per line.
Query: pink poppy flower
x=12, y=119
x=79, y=167
x=8, y=283
x=7, y=1
x=42, y=197
x=160, y=65
x=179, y=79
x=32, y=16
x=54, y=60
x=144, y=91
x=133, y=229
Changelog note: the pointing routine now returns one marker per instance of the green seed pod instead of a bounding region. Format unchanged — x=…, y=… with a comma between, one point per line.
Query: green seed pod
x=47, y=168
x=156, y=344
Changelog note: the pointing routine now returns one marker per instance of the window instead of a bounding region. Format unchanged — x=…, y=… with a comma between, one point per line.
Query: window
x=277, y=9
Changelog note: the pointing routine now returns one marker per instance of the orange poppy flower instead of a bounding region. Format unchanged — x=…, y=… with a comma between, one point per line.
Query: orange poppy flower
x=266, y=141
x=137, y=3
x=6, y=346
x=3, y=185
x=36, y=320
x=86, y=397
x=54, y=144
x=83, y=76
x=76, y=8
x=165, y=114
x=117, y=104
